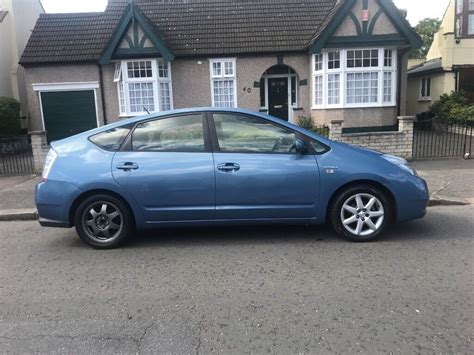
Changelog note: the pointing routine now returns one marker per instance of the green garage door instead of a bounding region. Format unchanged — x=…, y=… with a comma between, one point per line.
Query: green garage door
x=67, y=113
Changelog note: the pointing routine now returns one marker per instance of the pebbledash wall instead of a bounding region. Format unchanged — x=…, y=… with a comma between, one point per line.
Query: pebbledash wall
x=399, y=143
x=249, y=70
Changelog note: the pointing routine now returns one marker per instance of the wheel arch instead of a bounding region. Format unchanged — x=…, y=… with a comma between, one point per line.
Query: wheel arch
x=369, y=182
x=93, y=192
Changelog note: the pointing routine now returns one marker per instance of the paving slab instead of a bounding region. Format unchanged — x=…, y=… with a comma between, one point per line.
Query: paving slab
x=448, y=179
x=17, y=192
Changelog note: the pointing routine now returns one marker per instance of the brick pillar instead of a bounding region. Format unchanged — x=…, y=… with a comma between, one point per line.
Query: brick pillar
x=405, y=125
x=335, y=130
x=40, y=149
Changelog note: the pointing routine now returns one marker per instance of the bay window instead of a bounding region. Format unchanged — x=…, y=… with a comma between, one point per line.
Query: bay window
x=354, y=78
x=143, y=86
x=223, y=82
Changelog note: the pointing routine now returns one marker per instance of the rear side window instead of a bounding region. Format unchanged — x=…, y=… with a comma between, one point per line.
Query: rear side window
x=111, y=139
x=172, y=134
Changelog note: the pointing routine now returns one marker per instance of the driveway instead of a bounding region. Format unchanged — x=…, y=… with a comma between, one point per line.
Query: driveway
x=234, y=290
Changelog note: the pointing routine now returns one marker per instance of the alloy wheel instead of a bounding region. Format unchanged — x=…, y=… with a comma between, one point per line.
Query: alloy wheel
x=102, y=221
x=362, y=214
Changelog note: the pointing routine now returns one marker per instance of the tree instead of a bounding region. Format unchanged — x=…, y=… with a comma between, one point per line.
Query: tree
x=426, y=29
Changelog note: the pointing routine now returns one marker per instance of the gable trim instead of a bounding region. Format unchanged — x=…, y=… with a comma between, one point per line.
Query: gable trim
x=133, y=15
x=406, y=34
x=400, y=23
x=328, y=31
x=356, y=23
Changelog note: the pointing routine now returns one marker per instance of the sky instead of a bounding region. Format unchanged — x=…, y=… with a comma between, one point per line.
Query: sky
x=417, y=9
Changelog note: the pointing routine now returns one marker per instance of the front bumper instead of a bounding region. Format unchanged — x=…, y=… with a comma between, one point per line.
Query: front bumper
x=415, y=201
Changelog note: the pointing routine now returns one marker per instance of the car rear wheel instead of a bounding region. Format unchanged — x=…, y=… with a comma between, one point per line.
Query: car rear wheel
x=361, y=213
x=103, y=221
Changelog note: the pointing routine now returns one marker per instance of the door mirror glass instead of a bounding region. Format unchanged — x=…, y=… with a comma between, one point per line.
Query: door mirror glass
x=299, y=146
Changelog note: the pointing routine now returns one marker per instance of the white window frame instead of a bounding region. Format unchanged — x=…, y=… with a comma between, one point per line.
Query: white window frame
x=421, y=96
x=343, y=70
x=223, y=76
x=121, y=78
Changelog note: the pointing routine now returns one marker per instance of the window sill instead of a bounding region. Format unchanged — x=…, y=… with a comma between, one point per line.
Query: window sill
x=424, y=99
x=352, y=106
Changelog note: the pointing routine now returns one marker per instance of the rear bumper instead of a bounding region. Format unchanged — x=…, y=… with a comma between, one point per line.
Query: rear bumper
x=51, y=223
x=53, y=202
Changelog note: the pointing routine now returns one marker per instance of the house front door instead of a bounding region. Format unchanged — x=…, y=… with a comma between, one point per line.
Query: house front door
x=278, y=97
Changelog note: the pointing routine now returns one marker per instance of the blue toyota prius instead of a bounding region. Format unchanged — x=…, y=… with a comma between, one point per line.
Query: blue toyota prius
x=212, y=166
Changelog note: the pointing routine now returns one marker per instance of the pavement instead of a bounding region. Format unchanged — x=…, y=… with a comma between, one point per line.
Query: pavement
x=447, y=181
x=241, y=290
x=17, y=197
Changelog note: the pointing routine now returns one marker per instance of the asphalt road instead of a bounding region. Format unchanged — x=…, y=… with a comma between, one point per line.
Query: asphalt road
x=234, y=290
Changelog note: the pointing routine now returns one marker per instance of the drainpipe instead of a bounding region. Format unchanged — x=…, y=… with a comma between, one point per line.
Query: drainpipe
x=101, y=83
x=399, y=81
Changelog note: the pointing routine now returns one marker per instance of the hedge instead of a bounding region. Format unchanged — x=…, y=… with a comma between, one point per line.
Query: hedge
x=9, y=116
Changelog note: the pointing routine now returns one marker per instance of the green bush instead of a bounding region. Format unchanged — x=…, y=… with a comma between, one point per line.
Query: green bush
x=453, y=107
x=9, y=116
x=305, y=122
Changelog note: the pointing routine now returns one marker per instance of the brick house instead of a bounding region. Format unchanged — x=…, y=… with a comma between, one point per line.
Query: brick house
x=325, y=59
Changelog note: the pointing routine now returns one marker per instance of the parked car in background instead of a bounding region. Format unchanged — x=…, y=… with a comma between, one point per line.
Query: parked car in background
x=212, y=166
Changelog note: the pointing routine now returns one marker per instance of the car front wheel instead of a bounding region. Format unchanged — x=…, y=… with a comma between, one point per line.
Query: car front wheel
x=361, y=213
x=103, y=221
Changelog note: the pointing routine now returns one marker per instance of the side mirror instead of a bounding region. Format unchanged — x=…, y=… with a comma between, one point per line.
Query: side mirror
x=299, y=145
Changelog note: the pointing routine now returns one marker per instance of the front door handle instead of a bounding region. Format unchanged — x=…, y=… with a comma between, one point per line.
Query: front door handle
x=128, y=166
x=228, y=167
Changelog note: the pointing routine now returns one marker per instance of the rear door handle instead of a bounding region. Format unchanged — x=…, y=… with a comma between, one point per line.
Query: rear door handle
x=228, y=167
x=127, y=166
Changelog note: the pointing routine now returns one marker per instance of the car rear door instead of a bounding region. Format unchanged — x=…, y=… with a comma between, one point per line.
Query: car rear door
x=257, y=174
x=167, y=166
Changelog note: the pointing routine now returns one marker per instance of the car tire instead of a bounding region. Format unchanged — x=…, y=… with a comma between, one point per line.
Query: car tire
x=103, y=221
x=361, y=213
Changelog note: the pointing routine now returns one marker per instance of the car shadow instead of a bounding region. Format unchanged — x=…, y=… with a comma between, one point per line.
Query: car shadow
x=435, y=226
x=231, y=235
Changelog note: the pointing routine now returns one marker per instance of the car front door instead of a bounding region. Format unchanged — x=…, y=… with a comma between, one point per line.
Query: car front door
x=167, y=166
x=258, y=174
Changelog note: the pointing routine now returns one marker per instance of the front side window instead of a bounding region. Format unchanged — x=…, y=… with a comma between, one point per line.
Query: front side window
x=172, y=134
x=143, y=85
x=354, y=78
x=223, y=82
x=241, y=133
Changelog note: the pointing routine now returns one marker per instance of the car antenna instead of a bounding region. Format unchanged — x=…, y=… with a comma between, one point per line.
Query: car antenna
x=146, y=110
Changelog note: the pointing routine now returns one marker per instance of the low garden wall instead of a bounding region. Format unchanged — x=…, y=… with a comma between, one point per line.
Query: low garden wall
x=398, y=143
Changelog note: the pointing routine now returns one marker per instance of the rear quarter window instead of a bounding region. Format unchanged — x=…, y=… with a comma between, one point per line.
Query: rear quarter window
x=111, y=139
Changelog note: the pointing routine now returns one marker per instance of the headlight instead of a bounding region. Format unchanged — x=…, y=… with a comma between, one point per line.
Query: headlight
x=402, y=163
x=48, y=163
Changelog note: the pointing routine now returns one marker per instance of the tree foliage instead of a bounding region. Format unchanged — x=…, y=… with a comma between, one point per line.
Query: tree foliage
x=453, y=107
x=426, y=29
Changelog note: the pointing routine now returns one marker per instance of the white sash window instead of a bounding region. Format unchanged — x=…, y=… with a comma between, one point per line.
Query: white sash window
x=354, y=78
x=223, y=82
x=143, y=86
